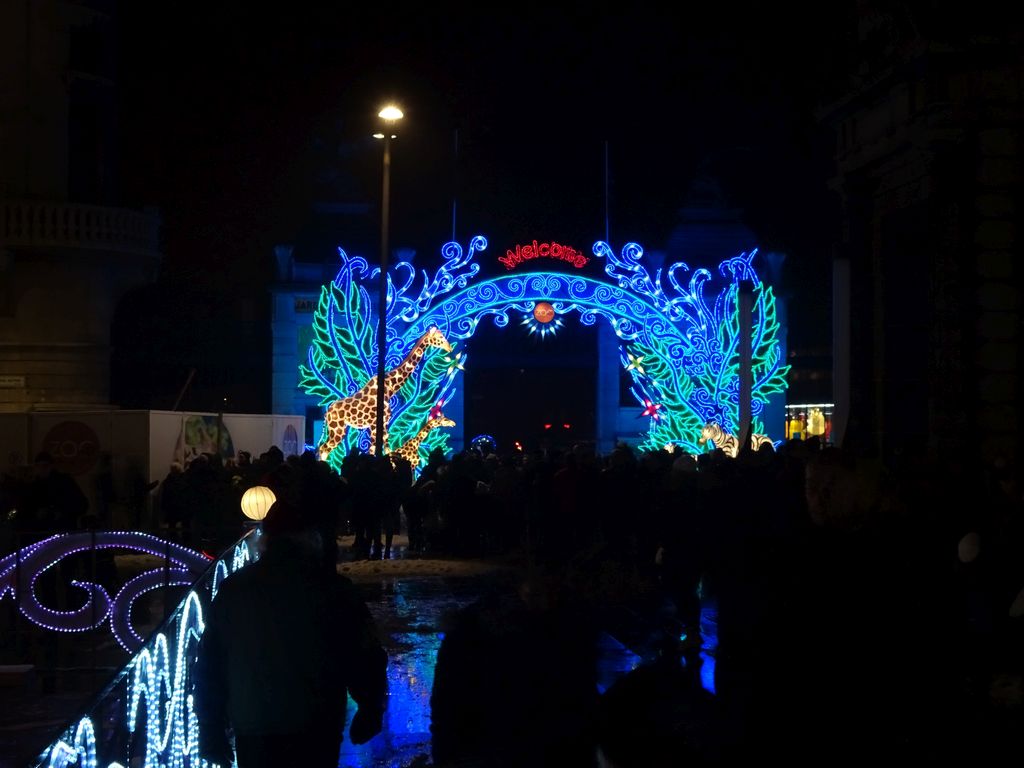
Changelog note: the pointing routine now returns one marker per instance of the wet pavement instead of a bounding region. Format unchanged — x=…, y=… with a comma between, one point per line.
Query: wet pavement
x=408, y=612
x=410, y=597
x=410, y=607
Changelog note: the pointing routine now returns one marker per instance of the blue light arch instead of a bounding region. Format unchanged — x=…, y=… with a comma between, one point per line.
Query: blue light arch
x=678, y=342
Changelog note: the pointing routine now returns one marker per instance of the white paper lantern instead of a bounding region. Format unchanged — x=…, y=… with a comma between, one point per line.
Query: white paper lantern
x=256, y=502
x=968, y=548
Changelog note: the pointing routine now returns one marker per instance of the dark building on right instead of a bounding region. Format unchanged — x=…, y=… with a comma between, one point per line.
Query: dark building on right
x=928, y=172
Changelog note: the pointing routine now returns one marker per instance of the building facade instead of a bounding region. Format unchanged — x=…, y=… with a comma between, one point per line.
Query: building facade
x=67, y=251
x=929, y=172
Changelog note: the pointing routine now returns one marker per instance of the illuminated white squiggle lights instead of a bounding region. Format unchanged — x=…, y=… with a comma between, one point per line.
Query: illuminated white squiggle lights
x=243, y=553
x=157, y=727
x=80, y=751
x=121, y=611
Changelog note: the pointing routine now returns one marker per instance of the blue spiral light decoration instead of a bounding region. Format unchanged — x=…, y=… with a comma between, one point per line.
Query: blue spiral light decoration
x=685, y=336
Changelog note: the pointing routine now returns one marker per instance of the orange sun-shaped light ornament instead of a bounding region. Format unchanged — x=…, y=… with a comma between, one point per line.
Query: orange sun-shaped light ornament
x=542, y=321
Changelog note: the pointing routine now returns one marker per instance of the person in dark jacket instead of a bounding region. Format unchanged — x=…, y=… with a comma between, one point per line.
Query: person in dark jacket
x=54, y=498
x=286, y=641
x=516, y=680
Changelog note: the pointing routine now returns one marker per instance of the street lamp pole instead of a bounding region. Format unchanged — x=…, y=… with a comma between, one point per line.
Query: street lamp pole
x=389, y=114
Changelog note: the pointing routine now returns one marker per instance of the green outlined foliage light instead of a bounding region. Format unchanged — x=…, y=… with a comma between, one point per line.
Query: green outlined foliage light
x=679, y=343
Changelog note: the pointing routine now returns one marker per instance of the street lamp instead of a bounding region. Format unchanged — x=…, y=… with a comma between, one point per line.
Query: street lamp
x=390, y=115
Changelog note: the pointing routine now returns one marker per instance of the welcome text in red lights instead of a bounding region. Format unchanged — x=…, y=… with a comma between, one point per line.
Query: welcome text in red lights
x=542, y=251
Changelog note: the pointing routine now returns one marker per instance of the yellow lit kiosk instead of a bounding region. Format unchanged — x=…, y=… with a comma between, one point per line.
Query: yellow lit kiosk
x=806, y=420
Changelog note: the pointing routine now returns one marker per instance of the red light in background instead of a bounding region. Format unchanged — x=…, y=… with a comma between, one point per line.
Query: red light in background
x=547, y=426
x=567, y=426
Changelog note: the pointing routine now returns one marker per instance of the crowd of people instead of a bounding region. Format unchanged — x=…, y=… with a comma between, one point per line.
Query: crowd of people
x=861, y=611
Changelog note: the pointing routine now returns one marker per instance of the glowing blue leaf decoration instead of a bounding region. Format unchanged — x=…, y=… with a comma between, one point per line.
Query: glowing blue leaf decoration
x=686, y=338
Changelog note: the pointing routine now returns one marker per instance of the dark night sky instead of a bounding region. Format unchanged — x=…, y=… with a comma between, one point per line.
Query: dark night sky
x=231, y=115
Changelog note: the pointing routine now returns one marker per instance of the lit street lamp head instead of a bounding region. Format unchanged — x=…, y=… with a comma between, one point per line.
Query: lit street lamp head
x=390, y=113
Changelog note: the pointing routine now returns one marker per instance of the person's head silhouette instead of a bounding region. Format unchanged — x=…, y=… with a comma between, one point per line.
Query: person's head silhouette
x=288, y=522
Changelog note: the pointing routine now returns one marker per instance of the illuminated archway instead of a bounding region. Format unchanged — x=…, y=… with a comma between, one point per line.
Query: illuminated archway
x=679, y=345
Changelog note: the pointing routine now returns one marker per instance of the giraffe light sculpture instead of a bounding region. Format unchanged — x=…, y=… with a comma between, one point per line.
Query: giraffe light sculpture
x=359, y=411
x=410, y=450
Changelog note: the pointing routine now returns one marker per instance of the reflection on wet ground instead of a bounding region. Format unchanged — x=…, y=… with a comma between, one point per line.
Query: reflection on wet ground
x=410, y=614
x=409, y=599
